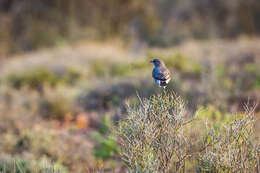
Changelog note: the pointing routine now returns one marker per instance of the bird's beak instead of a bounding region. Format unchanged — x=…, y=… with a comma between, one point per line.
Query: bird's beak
x=151, y=61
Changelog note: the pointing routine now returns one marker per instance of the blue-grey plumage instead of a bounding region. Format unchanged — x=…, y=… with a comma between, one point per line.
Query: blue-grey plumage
x=161, y=74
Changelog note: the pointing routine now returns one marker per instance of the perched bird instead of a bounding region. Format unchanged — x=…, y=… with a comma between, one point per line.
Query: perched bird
x=161, y=74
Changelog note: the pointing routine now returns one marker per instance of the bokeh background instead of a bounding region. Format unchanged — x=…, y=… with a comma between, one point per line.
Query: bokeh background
x=67, y=68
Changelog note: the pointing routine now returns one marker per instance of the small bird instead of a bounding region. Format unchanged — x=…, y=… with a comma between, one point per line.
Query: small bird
x=161, y=74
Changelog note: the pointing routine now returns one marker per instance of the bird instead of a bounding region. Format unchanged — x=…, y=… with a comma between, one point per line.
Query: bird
x=160, y=73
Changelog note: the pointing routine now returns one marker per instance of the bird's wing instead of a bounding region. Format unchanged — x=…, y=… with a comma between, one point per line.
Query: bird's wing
x=162, y=74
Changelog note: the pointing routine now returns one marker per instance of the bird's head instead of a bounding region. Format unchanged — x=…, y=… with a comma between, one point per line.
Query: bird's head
x=157, y=62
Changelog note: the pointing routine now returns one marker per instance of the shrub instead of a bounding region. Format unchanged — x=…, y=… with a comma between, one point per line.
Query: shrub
x=102, y=69
x=71, y=76
x=151, y=137
x=99, y=68
x=230, y=148
x=34, y=79
x=140, y=64
x=56, y=108
x=56, y=104
x=120, y=70
x=37, y=78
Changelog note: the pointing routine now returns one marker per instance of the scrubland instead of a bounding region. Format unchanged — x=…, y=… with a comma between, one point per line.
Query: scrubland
x=93, y=107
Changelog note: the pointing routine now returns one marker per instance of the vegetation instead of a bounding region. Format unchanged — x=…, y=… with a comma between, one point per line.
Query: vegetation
x=37, y=78
x=69, y=109
x=154, y=138
x=27, y=26
x=151, y=137
x=107, y=146
x=230, y=148
x=22, y=166
x=76, y=93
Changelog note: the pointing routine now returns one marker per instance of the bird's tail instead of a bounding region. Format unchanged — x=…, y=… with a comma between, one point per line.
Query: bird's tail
x=163, y=84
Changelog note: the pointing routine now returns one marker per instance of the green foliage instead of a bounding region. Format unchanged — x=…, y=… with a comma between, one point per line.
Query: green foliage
x=34, y=79
x=212, y=114
x=254, y=71
x=37, y=78
x=120, y=69
x=244, y=78
x=101, y=69
x=221, y=70
x=252, y=68
x=223, y=77
x=71, y=76
x=141, y=64
x=106, y=124
x=257, y=82
x=106, y=147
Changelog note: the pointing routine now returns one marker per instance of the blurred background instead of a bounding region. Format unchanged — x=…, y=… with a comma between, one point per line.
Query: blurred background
x=28, y=24
x=67, y=68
